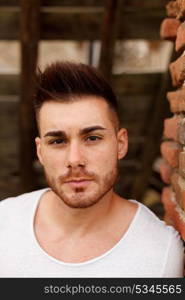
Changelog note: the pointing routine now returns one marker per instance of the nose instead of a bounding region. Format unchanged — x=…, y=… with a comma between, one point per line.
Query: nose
x=75, y=156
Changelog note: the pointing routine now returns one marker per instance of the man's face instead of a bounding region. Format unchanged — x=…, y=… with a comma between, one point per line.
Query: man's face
x=79, y=149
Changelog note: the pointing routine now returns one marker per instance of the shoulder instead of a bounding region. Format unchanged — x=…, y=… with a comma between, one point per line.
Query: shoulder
x=161, y=243
x=155, y=230
x=14, y=206
x=20, y=199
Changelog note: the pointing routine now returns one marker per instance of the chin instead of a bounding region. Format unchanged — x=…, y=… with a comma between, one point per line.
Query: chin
x=79, y=200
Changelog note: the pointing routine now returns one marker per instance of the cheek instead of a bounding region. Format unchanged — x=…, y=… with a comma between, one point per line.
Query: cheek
x=106, y=159
x=52, y=161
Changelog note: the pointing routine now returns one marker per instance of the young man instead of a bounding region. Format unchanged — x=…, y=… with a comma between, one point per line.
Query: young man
x=78, y=226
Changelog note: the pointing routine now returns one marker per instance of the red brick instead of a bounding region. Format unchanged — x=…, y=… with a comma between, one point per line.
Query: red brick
x=176, y=9
x=174, y=184
x=174, y=215
x=165, y=171
x=166, y=199
x=178, y=185
x=172, y=9
x=182, y=164
x=174, y=128
x=181, y=131
x=177, y=100
x=180, y=40
x=168, y=220
x=168, y=29
x=171, y=127
x=170, y=152
x=177, y=71
x=179, y=221
x=178, y=218
x=181, y=5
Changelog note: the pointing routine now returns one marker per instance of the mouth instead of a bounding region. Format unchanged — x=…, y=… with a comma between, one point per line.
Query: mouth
x=82, y=182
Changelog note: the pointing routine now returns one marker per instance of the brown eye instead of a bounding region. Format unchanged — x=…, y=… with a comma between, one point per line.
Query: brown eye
x=58, y=141
x=93, y=138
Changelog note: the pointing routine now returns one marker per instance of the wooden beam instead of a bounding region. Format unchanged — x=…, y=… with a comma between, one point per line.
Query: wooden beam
x=76, y=23
x=108, y=36
x=30, y=33
x=138, y=3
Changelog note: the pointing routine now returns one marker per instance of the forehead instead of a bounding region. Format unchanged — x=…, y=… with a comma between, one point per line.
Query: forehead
x=76, y=114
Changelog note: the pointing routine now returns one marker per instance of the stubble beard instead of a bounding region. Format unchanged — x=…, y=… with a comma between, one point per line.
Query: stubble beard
x=81, y=197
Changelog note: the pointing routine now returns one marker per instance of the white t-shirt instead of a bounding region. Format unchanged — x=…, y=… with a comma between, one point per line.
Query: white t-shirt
x=149, y=248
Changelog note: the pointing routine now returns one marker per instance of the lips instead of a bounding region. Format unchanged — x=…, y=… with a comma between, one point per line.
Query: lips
x=82, y=182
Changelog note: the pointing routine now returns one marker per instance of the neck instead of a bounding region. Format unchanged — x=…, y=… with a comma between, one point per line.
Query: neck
x=75, y=221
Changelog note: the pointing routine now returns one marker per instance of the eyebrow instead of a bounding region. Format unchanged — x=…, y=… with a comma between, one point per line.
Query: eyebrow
x=90, y=129
x=55, y=133
x=61, y=133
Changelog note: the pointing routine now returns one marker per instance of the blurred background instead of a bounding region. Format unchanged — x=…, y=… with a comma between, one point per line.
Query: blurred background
x=122, y=39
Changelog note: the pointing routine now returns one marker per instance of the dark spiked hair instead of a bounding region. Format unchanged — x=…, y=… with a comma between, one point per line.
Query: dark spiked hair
x=65, y=81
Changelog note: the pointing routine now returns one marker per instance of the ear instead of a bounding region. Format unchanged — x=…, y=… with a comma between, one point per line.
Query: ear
x=38, y=147
x=122, y=138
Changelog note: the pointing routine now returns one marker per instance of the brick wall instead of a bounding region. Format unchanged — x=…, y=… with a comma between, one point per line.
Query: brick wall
x=172, y=168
